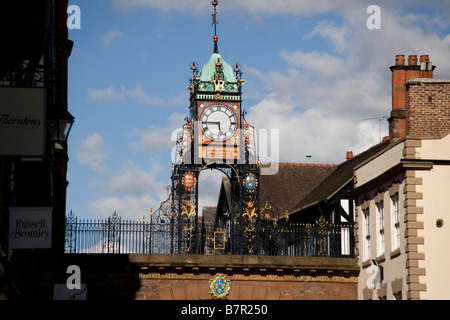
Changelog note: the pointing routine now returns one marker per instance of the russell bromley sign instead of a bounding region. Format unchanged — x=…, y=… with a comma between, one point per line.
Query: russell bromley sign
x=30, y=227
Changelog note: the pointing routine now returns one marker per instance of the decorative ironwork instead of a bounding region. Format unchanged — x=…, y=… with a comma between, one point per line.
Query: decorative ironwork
x=159, y=235
x=322, y=234
x=112, y=233
x=30, y=73
x=71, y=224
x=219, y=239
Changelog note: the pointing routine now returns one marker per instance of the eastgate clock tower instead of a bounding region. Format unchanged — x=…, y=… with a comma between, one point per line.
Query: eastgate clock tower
x=215, y=136
x=215, y=108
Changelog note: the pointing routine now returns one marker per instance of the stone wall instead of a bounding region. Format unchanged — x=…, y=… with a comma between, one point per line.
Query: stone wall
x=186, y=277
x=249, y=287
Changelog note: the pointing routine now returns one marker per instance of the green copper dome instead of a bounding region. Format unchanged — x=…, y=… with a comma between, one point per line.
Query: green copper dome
x=212, y=71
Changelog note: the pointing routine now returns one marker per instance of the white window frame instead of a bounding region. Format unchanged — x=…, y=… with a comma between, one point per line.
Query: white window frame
x=381, y=248
x=366, y=228
x=395, y=222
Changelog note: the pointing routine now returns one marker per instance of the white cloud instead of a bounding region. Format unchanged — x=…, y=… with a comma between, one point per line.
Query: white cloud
x=326, y=136
x=254, y=7
x=154, y=139
x=134, y=181
x=338, y=35
x=159, y=137
x=92, y=153
x=137, y=94
x=131, y=193
x=127, y=207
x=319, y=102
x=136, y=203
x=209, y=187
x=107, y=38
x=315, y=63
x=163, y=5
x=108, y=94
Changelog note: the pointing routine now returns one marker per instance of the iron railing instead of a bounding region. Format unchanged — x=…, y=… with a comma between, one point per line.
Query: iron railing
x=30, y=74
x=117, y=236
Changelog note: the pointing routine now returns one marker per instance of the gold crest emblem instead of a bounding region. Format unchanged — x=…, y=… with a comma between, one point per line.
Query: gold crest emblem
x=189, y=181
x=219, y=286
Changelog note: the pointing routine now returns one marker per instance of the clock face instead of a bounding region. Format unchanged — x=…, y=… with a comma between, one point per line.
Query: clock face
x=218, y=122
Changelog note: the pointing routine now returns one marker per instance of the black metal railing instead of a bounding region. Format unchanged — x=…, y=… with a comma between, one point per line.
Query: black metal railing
x=117, y=236
x=31, y=73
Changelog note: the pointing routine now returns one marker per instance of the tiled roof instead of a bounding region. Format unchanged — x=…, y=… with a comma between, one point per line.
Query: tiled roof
x=209, y=213
x=338, y=179
x=291, y=184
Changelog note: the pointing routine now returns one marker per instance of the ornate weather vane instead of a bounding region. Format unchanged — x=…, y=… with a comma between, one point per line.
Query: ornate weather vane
x=214, y=23
x=214, y=16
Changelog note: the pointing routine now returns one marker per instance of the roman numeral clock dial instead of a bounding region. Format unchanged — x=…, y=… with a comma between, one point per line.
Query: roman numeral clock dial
x=218, y=123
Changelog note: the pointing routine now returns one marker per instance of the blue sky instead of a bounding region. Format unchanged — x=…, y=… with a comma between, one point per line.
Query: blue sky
x=313, y=71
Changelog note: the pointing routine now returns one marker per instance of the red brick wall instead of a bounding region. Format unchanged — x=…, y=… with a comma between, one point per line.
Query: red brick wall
x=428, y=107
x=251, y=287
x=186, y=277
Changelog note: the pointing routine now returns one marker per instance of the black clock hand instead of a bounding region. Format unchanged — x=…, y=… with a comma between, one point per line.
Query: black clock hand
x=214, y=122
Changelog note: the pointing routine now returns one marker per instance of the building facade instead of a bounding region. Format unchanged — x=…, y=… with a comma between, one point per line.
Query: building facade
x=34, y=126
x=400, y=193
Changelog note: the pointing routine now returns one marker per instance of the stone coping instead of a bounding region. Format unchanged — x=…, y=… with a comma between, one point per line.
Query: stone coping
x=224, y=261
x=427, y=81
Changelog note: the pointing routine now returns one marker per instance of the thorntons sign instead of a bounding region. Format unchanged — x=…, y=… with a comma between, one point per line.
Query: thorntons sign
x=30, y=227
x=7, y=121
x=22, y=121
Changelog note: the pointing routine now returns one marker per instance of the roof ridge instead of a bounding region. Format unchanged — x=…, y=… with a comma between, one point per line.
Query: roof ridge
x=382, y=144
x=302, y=164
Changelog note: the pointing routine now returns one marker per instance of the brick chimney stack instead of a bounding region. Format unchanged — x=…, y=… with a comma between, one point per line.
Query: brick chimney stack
x=400, y=74
x=428, y=108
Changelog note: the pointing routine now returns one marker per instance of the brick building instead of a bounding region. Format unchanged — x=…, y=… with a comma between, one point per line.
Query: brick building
x=400, y=192
x=34, y=125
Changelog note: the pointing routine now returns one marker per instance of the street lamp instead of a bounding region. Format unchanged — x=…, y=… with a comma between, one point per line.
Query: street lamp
x=59, y=128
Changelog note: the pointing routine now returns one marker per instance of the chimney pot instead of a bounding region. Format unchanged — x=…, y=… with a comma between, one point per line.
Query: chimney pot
x=412, y=60
x=400, y=60
x=424, y=58
x=349, y=155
